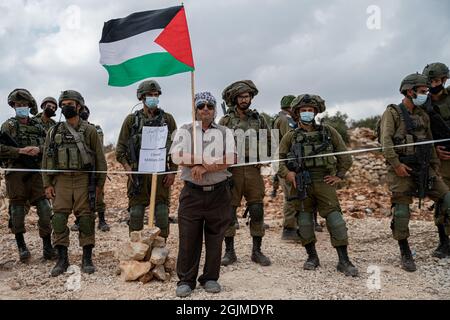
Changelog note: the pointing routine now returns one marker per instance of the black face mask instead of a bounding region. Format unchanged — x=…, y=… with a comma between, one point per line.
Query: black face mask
x=49, y=112
x=84, y=115
x=437, y=89
x=69, y=112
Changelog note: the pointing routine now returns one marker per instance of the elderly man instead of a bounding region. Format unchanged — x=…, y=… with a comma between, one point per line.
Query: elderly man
x=205, y=201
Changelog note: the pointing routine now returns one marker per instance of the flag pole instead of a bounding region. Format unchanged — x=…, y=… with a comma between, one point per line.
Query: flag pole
x=194, y=128
x=151, y=217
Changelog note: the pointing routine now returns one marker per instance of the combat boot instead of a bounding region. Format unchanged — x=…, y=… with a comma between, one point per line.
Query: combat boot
x=273, y=194
x=443, y=250
x=344, y=265
x=313, y=259
x=408, y=263
x=48, y=251
x=257, y=255
x=230, y=255
x=102, y=225
x=290, y=234
x=24, y=253
x=63, y=262
x=86, y=265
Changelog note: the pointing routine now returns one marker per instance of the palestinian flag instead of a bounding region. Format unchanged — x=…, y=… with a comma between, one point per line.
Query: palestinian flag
x=146, y=44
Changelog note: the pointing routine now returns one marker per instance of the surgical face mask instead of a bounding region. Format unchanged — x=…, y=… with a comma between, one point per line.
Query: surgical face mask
x=307, y=117
x=420, y=99
x=69, y=111
x=22, y=112
x=49, y=112
x=437, y=89
x=151, y=102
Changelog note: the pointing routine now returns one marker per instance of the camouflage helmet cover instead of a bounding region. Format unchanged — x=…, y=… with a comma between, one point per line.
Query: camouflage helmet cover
x=412, y=81
x=23, y=95
x=146, y=87
x=231, y=92
x=71, y=95
x=49, y=99
x=436, y=70
x=312, y=100
x=286, y=101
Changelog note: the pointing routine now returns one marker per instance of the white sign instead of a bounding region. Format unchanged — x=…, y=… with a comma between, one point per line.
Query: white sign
x=154, y=137
x=152, y=161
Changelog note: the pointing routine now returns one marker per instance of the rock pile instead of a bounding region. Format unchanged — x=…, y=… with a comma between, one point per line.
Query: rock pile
x=145, y=257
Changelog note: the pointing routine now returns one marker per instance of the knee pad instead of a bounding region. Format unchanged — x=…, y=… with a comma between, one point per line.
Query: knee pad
x=44, y=210
x=337, y=226
x=137, y=217
x=17, y=217
x=401, y=217
x=87, y=224
x=59, y=222
x=256, y=212
x=306, y=227
x=161, y=216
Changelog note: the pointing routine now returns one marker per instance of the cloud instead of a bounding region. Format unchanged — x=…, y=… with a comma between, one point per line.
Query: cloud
x=286, y=47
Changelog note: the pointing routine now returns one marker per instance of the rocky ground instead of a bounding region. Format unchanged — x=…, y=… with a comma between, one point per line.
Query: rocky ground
x=373, y=251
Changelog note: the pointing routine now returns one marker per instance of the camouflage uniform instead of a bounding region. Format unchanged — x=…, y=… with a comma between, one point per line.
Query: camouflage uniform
x=318, y=140
x=73, y=190
x=139, y=187
x=246, y=180
x=25, y=188
x=394, y=131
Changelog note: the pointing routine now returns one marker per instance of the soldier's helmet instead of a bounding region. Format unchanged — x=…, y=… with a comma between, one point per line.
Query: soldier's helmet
x=49, y=99
x=286, y=101
x=310, y=100
x=71, y=95
x=23, y=95
x=436, y=70
x=146, y=87
x=237, y=88
x=412, y=81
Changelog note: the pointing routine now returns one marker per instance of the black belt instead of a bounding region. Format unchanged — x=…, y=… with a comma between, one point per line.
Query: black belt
x=207, y=188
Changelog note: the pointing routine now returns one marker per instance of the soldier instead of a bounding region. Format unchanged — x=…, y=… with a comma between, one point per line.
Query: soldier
x=438, y=74
x=127, y=153
x=320, y=176
x=247, y=180
x=49, y=107
x=23, y=138
x=412, y=170
x=75, y=147
x=100, y=206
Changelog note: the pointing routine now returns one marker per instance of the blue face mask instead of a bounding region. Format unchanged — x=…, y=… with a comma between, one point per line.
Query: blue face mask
x=307, y=117
x=151, y=102
x=420, y=99
x=22, y=112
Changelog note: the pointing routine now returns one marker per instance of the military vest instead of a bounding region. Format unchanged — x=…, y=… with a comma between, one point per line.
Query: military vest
x=418, y=133
x=31, y=134
x=63, y=153
x=140, y=121
x=314, y=143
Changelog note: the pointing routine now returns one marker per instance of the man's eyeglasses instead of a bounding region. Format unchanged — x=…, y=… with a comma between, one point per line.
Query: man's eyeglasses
x=202, y=106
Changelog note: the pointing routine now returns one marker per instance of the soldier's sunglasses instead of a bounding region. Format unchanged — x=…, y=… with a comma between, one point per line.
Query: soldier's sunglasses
x=202, y=106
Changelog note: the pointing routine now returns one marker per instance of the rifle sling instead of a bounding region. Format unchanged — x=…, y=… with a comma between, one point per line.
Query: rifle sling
x=84, y=155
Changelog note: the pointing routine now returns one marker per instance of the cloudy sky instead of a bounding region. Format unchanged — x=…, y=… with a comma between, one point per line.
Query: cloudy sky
x=337, y=49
